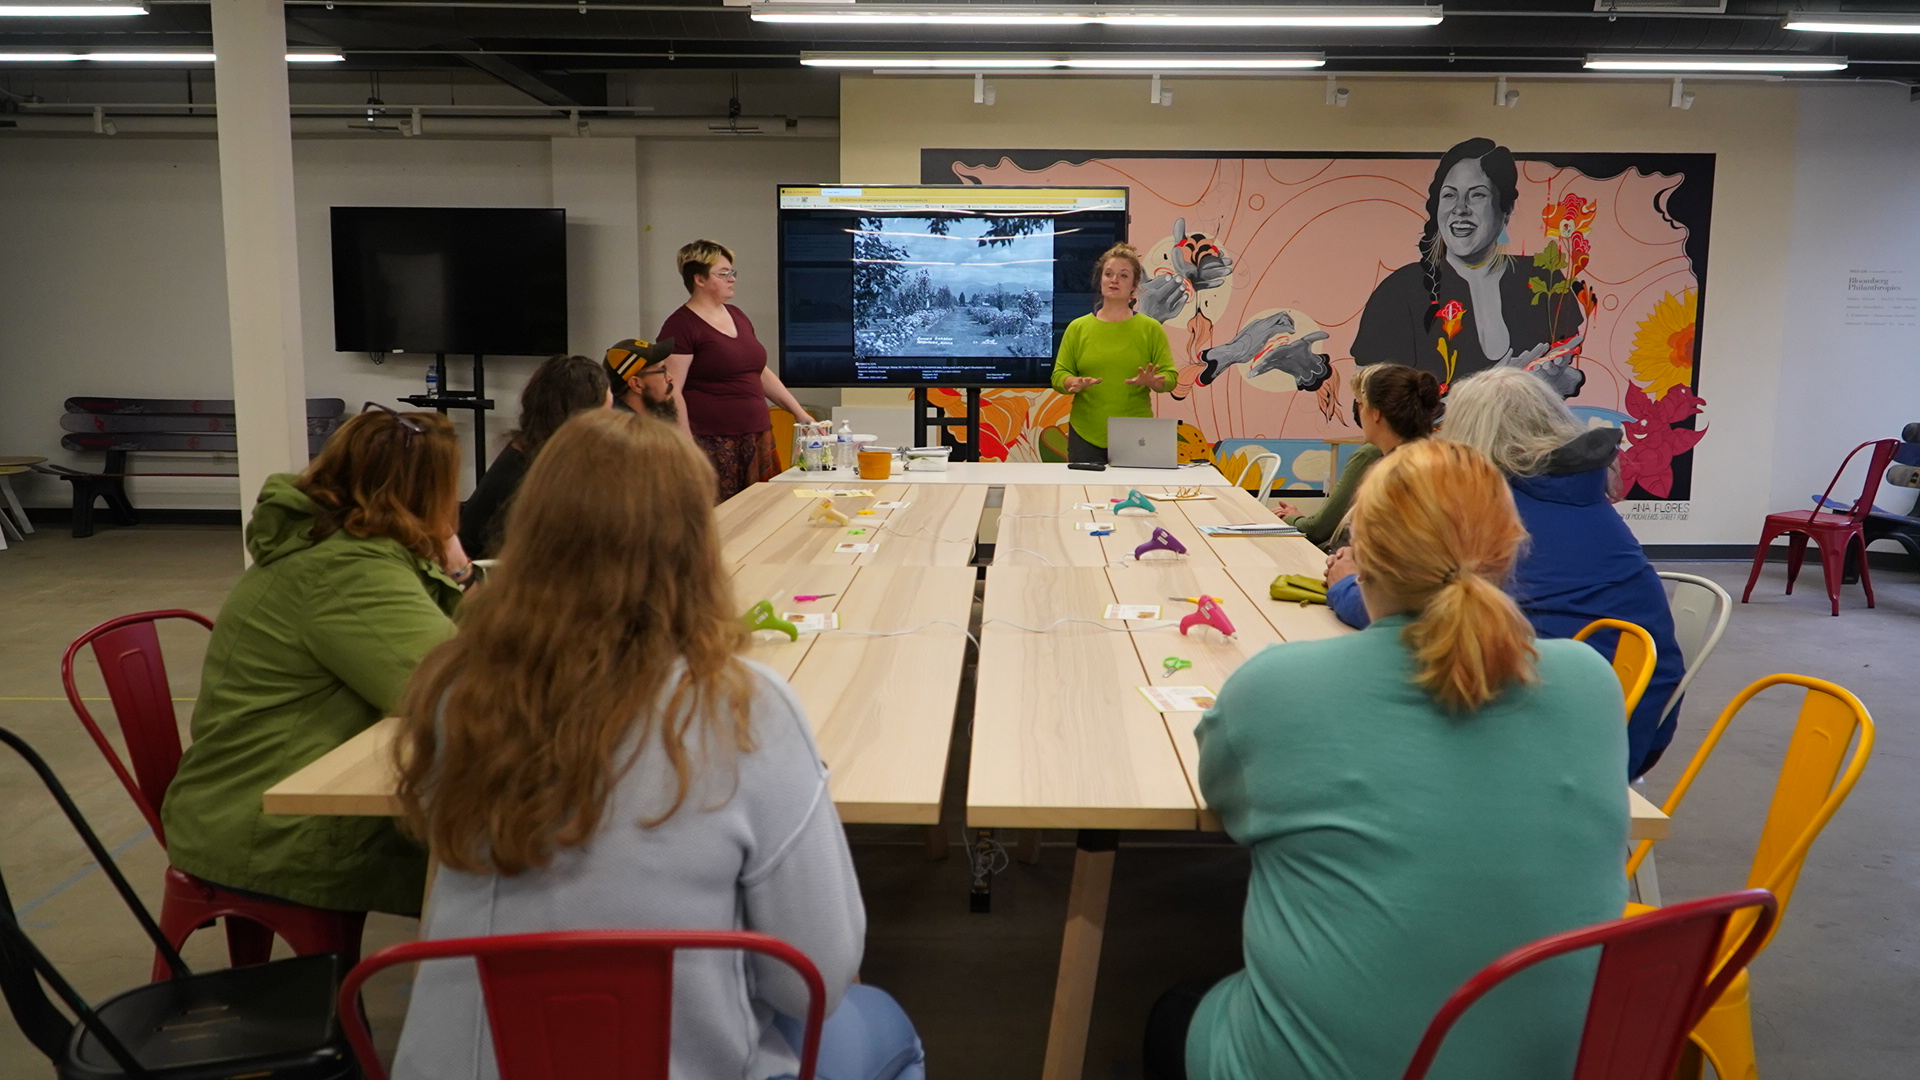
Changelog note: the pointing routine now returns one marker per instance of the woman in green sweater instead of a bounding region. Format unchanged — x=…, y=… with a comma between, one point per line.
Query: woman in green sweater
x=1419, y=797
x=1112, y=361
x=1392, y=404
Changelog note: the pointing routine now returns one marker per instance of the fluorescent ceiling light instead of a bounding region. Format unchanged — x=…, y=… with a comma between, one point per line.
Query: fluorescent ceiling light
x=850, y=14
x=1198, y=63
x=1109, y=62
x=1822, y=22
x=1786, y=63
x=69, y=11
x=149, y=58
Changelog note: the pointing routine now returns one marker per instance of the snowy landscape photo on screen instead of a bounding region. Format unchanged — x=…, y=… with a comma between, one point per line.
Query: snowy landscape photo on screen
x=953, y=286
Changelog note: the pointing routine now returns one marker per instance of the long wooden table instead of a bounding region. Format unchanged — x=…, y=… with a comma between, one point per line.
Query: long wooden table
x=1063, y=739
x=1061, y=736
x=881, y=702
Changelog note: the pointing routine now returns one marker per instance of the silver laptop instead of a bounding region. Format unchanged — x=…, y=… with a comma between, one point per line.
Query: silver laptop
x=1135, y=442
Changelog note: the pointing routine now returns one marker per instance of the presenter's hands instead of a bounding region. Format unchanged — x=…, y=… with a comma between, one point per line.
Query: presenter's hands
x=1149, y=377
x=1076, y=383
x=1340, y=565
x=802, y=417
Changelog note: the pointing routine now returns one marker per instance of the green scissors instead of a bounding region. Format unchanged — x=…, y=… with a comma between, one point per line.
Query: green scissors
x=1174, y=664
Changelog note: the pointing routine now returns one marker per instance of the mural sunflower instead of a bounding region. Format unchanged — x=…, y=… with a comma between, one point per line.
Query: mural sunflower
x=1663, y=345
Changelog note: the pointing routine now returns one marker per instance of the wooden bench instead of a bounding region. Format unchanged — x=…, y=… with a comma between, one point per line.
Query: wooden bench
x=120, y=426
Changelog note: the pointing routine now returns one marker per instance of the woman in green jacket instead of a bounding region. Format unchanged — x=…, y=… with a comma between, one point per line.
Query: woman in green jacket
x=355, y=577
x=1419, y=798
x=1112, y=361
x=1392, y=404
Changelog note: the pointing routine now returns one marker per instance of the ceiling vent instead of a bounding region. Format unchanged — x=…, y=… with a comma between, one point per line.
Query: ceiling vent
x=1660, y=7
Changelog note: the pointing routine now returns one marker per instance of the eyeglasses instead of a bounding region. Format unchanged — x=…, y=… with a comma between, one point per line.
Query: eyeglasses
x=409, y=427
x=727, y=275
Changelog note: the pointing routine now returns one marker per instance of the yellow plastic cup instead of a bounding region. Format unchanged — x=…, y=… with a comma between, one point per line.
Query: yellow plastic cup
x=875, y=465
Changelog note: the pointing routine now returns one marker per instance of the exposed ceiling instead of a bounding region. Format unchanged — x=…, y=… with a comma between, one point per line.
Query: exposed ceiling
x=560, y=52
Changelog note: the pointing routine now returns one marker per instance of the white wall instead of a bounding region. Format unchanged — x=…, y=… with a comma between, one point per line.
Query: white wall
x=722, y=189
x=1856, y=207
x=115, y=283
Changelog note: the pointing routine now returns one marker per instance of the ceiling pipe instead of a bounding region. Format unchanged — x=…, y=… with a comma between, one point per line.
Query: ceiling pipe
x=347, y=126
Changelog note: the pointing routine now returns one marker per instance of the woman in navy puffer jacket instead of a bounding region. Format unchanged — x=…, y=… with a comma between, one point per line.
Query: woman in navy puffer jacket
x=1583, y=562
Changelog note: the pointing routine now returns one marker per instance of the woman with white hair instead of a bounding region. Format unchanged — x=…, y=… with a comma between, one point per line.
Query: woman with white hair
x=1583, y=563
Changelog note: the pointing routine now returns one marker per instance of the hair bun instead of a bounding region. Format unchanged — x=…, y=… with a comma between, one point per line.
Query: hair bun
x=1429, y=388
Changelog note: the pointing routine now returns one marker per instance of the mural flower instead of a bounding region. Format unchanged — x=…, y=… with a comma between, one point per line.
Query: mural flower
x=1662, y=355
x=1451, y=316
x=1015, y=425
x=1653, y=441
x=1572, y=214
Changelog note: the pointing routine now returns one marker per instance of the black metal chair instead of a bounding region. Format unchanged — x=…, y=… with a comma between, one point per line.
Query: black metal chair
x=273, y=1021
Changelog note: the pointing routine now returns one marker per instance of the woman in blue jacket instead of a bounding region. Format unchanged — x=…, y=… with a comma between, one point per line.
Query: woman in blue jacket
x=1583, y=563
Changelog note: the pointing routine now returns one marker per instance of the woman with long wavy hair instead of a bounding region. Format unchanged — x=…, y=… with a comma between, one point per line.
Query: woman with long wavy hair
x=592, y=752
x=1419, y=798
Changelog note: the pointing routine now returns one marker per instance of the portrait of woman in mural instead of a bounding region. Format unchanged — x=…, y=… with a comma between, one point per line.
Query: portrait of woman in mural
x=1467, y=305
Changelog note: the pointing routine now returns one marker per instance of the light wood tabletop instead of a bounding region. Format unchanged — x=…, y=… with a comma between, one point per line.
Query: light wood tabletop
x=1062, y=737
x=881, y=706
x=937, y=527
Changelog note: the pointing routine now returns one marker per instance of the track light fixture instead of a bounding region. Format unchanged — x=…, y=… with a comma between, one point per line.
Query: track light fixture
x=83, y=10
x=1828, y=22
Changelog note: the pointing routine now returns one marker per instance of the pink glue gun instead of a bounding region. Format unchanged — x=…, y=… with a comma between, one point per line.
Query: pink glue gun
x=1209, y=614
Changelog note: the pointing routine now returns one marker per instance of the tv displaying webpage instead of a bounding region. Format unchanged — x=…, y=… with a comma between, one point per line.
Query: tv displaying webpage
x=936, y=286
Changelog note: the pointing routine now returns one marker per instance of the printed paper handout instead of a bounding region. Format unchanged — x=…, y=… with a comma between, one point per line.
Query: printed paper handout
x=813, y=622
x=855, y=549
x=1132, y=611
x=1178, y=698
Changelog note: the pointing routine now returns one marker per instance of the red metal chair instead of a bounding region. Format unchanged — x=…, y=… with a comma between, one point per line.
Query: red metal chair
x=128, y=651
x=1834, y=534
x=580, y=1003
x=1650, y=989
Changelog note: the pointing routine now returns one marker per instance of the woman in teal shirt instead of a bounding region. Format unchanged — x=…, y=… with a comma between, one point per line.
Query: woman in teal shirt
x=1112, y=361
x=1419, y=797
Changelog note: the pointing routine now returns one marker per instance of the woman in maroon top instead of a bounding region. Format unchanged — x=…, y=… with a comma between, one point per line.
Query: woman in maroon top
x=720, y=377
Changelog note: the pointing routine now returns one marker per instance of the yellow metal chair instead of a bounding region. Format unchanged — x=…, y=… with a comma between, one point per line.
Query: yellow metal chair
x=1812, y=785
x=1633, y=657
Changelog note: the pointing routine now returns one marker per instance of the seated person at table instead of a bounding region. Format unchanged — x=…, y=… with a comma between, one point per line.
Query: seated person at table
x=1451, y=794
x=349, y=588
x=641, y=381
x=1392, y=404
x=1583, y=562
x=558, y=388
x=593, y=752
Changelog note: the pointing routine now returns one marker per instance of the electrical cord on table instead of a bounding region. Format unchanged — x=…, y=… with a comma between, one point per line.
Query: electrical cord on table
x=909, y=630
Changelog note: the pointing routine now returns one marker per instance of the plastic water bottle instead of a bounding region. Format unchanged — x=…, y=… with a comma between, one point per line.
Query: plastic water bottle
x=433, y=380
x=816, y=453
x=843, y=448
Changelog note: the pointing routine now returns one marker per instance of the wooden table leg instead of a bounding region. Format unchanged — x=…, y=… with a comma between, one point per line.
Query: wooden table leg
x=1080, y=954
x=1646, y=881
x=1027, y=847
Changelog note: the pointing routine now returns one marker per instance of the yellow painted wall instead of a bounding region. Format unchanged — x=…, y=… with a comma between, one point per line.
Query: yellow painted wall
x=886, y=120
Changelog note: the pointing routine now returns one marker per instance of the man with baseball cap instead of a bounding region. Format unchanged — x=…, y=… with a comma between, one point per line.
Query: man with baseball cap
x=638, y=370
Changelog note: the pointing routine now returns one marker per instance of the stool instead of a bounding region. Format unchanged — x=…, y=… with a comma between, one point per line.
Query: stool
x=20, y=524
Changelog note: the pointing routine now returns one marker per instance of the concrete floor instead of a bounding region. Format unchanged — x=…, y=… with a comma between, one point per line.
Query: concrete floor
x=1834, y=995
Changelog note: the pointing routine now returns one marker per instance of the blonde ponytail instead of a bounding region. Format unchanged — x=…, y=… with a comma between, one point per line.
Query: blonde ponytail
x=1434, y=526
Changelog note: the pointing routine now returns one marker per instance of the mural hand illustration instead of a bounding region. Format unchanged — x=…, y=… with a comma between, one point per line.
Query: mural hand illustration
x=1245, y=345
x=1297, y=358
x=1199, y=259
x=1554, y=363
x=1164, y=297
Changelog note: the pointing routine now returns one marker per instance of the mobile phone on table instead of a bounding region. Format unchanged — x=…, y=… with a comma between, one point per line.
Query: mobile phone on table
x=1088, y=466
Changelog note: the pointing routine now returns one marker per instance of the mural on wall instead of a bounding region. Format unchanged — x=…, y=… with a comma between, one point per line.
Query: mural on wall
x=1276, y=273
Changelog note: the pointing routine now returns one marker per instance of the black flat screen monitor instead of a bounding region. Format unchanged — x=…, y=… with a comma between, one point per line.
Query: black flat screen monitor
x=450, y=280
x=936, y=286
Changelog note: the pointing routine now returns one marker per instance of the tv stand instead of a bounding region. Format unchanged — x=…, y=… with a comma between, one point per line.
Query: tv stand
x=928, y=415
x=475, y=399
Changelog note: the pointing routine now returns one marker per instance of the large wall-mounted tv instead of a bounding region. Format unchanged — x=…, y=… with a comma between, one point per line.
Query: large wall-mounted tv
x=450, y=280
x=936, y=286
